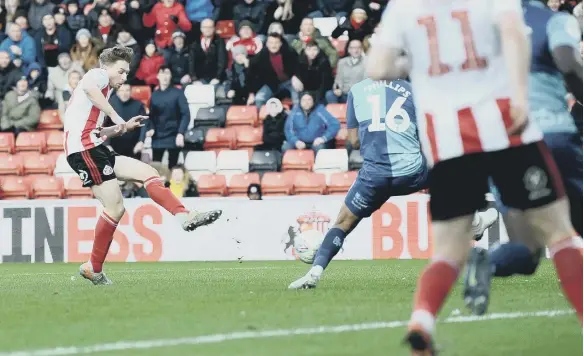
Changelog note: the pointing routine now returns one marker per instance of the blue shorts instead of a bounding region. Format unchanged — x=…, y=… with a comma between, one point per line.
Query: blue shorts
x=370, y=192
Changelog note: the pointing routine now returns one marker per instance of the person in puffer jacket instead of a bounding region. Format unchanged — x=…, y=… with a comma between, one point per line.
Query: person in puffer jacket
x=149, y=65
x=167, y=16
x=177, y=58
x=310, y=126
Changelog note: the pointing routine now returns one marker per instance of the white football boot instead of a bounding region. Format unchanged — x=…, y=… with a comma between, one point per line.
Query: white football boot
x=482, y=221
x=195, y=219
x=97, y=278
x=309, y=280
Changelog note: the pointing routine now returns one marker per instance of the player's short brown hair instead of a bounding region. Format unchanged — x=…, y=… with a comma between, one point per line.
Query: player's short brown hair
x=117, y=53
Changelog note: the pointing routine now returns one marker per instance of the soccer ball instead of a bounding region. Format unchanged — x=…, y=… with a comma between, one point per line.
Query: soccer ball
x=306, y=244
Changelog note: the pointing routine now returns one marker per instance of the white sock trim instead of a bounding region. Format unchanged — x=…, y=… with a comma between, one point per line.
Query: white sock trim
x=425, y=319
x=572, y=242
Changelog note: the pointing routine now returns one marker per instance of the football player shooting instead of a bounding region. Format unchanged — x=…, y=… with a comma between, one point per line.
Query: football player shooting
x=100, y=168
x=472, y=106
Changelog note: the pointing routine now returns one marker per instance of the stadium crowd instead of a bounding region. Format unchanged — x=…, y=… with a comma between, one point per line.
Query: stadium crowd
x=287, y=58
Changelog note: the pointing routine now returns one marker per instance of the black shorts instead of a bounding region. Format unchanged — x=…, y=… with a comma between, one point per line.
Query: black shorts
x=526, y=176
x=94, y=166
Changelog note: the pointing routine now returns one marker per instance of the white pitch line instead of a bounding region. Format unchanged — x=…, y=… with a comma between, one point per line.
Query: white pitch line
x=240, y=335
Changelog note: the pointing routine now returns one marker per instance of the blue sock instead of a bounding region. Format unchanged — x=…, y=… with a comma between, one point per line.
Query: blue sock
x=512, y=258
x=333, y=241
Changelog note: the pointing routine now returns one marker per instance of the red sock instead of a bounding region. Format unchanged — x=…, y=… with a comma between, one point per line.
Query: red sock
x=163, y=196
x=567, y=255
x=433, y=287
x=104, y=234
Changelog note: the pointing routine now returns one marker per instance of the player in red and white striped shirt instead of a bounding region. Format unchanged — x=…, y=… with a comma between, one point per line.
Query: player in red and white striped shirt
x=100, y=168
x=468, y=61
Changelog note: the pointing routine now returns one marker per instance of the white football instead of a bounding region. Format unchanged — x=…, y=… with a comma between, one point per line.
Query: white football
x=306, y=244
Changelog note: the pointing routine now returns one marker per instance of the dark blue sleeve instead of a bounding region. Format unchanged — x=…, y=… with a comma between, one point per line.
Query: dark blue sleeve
x=185, y=113
x=352, y=122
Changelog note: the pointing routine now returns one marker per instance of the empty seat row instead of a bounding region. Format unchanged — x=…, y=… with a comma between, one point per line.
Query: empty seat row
x=25, y=163
x=42, y=187
x=37, y=141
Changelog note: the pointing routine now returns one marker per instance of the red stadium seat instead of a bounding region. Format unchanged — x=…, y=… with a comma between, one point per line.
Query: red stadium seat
x=47, y=187
x=31, y=141
x=298, y=160
x=74, y=189
x=242, y=115
x=142, y=93
x=220, y=139
x=10, y=164
x=341, y=182
x=15, y=188
x=225, y=29
x=309, y=183
x=339, y=111
x=212, y=185
x=341, y=138
x=277, y=183
x=55, y=140
x=249, y=136
x=239, y=183
x=340, y=46
x=7, y=142
x=50, y=120
x=38, y=164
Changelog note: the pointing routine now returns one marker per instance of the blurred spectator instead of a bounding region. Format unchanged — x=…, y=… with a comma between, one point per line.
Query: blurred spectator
x=60, y=15
x=125, y=38
x=253, y=11
x=20, y=46
x=310, y=126
x=148, y=71
x=177, y=59
x=276, y=27
x=370, y=39
x=20, y=109
x=254, y=192
x=84, y=51
x=38, y=9
x=37, y=84
x=357, y=26
x=51, y=40
x=208, y=58
x=169, y=119
x=273, y=137
x=9, y=73
x=246, y=38
x=73, y=78
x=75, y=19
x=21, y=19
x=238, y=83
x=132, y=20
x=335, y=8
x=314, y=71
x=310, y=33
x=93, y=9
x=127, y=107
x=167, y=16
x=350, y=71
x=181, y=184
x=275, y=68
x=197, y=11
x=289, y=13
x=554, y=5
x=57, y=81
x=106, y=32
x=9, y=9
x=376, y=9
x=223, y=9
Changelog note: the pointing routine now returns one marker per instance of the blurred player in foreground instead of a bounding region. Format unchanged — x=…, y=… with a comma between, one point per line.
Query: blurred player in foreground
x=381, y=121
x=555, y=42
x=99, y=168
x=469, y=63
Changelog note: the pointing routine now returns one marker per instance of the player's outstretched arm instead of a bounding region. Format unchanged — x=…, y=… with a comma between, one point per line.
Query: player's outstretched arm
x=91, y=88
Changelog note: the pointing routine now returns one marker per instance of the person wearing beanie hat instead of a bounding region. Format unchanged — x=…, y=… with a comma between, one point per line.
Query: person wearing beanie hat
x=237, y=85
x=247, y=38
x=51, y=40
x=60, y=14
x=251, y=11
x=273, y=135
x=82, y=33
x=358, y=26
x=177, y=58
x=84, y=52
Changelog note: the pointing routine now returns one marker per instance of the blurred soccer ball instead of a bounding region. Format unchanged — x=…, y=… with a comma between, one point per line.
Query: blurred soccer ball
x=306, y=244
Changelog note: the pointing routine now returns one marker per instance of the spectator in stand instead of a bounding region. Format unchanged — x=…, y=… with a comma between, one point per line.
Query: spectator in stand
x=310, y=126
x=554, y=5
x=197, y=11
x=57, y=81
x=132, y=20
x=93, y=9
x=125, y=38
x=247, y=38
x=51, y=41
x=169, y=119
x=20, y=46
x=273, y=136
x=357, y=26
x=21, y=20
x=75, y=18
x=9, y=11
x=314, y=72
x=106, y=32
x=60, y=15
x=310, y=33
x=276, y=27
x=9, y=73
x=38, y=9
x=376, y=9
x=20, y=109
x=73, y=79
x=148, y=71
x=167, y=16
x=84, y=51
x=177, y=59
x=37, y=84
x=181, y=184
x=350, y=71
x=289, y=14
x=208, y=58
x=238, y=83
x=275, y=69
x=127, y=107
x=253, y=11
x=335, y=8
